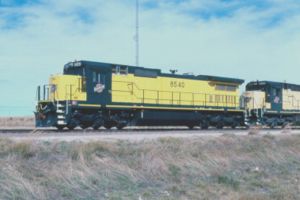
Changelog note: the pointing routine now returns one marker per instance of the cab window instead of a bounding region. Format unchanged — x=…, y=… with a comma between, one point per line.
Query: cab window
x=83, y=89
x=96, y=77
x=120, y=70
x=229, y=88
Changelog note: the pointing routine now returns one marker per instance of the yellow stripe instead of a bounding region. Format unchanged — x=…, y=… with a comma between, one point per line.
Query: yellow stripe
x=45, y=101
x=90, y=105
x=289, y=112
x=171, y=108
x=271, y=111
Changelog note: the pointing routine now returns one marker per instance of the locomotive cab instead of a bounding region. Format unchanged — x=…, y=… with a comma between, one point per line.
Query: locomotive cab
x=61, y=101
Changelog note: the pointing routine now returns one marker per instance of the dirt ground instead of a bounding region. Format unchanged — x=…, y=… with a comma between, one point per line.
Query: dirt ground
x=14, y=122
x=133, y=135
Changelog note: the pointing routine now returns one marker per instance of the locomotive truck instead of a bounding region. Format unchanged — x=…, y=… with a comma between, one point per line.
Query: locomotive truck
x=94, y=94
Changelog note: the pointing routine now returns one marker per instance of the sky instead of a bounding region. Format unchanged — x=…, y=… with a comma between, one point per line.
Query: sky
x=247, y=39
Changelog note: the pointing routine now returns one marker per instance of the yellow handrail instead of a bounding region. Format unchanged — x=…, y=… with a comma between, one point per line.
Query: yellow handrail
x=178, y=100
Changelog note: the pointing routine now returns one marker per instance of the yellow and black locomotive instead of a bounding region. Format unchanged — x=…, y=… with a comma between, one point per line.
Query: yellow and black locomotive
x=272, y=103
x=93, y=94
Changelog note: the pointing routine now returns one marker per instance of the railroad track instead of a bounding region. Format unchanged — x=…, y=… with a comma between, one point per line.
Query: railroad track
x=133, y=130
x=130, y=134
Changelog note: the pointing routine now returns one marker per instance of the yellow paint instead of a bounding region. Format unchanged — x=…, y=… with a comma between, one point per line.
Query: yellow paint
x=291, y=112
x=256, y=100
x=170, y=108
x=290, y=100
x=90, y=105
x=66, y=87
x=171, y=91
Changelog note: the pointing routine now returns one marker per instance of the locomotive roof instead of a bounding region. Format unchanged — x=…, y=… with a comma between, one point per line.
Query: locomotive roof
x=132, y=69
x=273, y=84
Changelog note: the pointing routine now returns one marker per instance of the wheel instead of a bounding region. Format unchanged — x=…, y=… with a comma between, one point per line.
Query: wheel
x=204, y=125
x=98, y=123
x=72, y=125
x=234, y=125
x=273, y=125
x=120, y=126
x=96, y=127
x=60, y=128
x=246, y=127
x=191, y=127
x=84, y=126
x=220, y=125
x=107, y=126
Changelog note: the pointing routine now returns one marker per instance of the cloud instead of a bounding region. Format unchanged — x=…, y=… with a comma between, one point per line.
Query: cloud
x=243, y=39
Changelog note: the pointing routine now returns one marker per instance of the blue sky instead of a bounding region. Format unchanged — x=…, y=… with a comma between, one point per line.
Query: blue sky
x=245, y=39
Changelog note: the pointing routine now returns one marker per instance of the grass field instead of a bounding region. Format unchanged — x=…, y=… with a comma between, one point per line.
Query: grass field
x=226, y=167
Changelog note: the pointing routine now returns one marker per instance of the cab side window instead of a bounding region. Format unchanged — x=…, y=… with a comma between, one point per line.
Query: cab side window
x=229, y=88
x=83, y=89
x=120, y=70
x=96, y=77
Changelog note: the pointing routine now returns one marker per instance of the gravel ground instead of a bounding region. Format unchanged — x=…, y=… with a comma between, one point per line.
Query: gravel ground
x=131, y=135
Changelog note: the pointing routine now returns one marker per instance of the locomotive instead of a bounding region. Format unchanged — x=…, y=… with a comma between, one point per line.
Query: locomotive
x=272, y=103
x=94, y=94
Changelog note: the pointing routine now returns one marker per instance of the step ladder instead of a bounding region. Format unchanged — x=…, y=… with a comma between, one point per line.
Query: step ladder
x=60, y=112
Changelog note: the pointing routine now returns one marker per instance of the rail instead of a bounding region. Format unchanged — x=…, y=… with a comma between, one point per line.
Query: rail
x=177, y=97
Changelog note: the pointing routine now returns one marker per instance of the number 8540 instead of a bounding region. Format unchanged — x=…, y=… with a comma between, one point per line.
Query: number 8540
x=177, y=84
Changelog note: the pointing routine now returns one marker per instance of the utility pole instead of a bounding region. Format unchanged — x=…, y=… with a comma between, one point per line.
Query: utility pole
x=137, y=36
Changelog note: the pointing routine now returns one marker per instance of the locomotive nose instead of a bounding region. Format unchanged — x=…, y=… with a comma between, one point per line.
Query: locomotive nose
x=67, y=88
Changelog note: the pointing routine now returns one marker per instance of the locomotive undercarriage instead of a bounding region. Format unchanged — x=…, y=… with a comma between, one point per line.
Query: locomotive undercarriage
x=65, y=115
x=122, y=118
x=271, y=119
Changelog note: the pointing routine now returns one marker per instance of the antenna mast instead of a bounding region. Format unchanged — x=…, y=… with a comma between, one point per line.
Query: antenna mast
x=137, y=39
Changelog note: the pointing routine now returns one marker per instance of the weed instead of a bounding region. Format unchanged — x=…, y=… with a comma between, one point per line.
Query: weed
x=229, y=181
x=175, y=172
x=22, y=149
x=216, y=168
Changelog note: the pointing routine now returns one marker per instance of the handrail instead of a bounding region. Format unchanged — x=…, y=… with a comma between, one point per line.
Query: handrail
x=44, y=95
x=69, y=91
x=133, y=83
x=179, y=100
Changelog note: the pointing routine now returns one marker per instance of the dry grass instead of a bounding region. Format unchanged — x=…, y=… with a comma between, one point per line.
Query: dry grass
x=228, y=167
x=14, y=122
